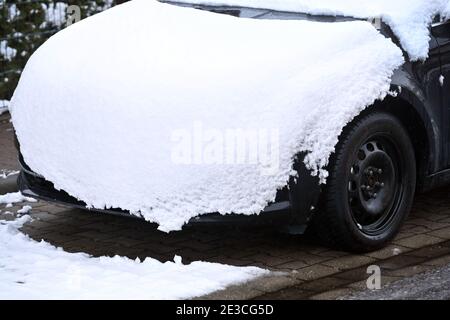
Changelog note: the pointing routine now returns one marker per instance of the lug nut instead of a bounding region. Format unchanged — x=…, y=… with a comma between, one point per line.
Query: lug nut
x=374, y=195
x=380, y=171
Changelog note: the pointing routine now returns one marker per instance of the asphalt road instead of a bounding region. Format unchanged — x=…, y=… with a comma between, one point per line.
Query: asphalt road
x=431, y=285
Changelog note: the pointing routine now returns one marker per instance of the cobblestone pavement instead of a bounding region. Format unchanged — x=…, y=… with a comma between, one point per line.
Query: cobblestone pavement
x=8, y=154
x=303, y=269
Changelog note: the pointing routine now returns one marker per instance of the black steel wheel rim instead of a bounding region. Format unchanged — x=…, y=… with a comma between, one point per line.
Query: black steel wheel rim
x=375, y=184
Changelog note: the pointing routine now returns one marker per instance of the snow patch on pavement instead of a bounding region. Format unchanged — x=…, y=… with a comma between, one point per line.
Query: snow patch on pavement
x=4, y=174
x=4, y=104
x=106, y=130
x=37, y=270
x=25, y=210
x=15, y=197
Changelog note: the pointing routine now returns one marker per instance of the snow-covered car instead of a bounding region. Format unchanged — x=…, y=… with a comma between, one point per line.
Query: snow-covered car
x=389, y=115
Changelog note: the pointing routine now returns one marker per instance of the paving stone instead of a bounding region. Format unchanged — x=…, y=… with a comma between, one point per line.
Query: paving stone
x=7, y=216
x=293, y=265
x=443, y=233
x=308, y=258
x=438, y=262
x=242, y=292
x=431, y=251
x=325, y=284
x=418, y=241
x=314, y=272
x=399, y=262
x=426, y=223
x=94, y=235
x=273, y=283
x=331, y=253
x=349, y=262
x=269, y=260
x=406, y=272
x=291, y=293
x=156, y=247
x=331, y=295
x=402, y=235
x=387, y=252
x=55, y=238
x=353, y=275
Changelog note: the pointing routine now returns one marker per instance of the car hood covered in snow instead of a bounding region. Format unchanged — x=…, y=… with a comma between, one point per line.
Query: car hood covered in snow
x=134, y=108
x=408, y=19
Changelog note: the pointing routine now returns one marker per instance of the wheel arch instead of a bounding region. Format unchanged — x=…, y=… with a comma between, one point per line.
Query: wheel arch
x=422, y=128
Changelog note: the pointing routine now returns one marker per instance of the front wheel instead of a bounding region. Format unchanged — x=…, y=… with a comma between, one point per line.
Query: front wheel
x=371, y=186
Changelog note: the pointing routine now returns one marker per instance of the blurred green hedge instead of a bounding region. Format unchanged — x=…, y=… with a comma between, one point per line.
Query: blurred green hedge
x=25, y=25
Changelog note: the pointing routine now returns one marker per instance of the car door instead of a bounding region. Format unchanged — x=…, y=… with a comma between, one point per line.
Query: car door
x=441, y=32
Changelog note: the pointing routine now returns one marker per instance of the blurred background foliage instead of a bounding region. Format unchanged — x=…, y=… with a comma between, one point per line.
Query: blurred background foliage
x=25, y=25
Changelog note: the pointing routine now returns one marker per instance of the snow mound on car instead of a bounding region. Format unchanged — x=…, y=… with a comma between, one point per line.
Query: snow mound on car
x=105, y=107
x=408, y=19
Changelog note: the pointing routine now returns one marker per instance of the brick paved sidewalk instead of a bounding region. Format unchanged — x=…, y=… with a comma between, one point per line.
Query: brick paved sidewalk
x=8, y=154
x=302, y=267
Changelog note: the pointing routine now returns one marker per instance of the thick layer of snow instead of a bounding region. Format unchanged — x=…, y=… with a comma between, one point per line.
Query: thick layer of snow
x=446, y=12
x=104, y=107
x=15, y=197
x=409, y=19
x=37, y=270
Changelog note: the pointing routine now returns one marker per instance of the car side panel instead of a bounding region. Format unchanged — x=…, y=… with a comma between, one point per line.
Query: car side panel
x=442, y=34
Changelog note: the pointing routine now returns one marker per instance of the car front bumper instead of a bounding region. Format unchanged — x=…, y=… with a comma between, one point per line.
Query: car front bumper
x=33, y=185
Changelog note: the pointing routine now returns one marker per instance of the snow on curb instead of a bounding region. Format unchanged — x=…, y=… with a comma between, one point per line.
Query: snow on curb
x=37, y=270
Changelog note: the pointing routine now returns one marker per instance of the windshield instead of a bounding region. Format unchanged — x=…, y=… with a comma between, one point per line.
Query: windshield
x=252, y=12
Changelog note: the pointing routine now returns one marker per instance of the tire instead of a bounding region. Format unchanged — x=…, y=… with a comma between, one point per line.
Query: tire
x=371, y=186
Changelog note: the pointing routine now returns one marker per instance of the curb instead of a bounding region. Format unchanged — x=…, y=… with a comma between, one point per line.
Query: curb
x=9, y=184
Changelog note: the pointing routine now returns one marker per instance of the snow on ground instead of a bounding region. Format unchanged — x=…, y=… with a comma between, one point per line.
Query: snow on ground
x=115, y=112
x=15, y=197
x=446, y=12
x=4, y=104
x=37, y=270
x=409, y=19
x=25, y=210
x=4, y=173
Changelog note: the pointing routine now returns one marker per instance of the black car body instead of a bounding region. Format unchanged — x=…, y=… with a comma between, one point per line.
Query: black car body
x=421, y=104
